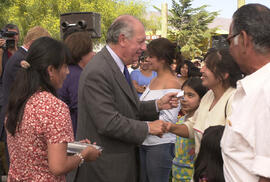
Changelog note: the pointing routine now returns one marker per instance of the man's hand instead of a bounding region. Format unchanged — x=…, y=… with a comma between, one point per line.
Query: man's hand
x=157, y=128
x=168, y=101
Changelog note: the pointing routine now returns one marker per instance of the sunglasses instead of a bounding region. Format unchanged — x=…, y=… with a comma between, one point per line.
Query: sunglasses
x=229, y=39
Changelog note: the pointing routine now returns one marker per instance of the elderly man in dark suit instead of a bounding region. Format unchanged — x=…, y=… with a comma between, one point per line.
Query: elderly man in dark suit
x=110, y=112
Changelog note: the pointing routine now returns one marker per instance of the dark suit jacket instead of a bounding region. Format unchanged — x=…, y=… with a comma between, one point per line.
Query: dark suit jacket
x=4, y=62
x=109, y=114
x=11, y=68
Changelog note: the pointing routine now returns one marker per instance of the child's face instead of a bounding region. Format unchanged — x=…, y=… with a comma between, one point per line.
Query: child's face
x=184, y=70
x=190, y=101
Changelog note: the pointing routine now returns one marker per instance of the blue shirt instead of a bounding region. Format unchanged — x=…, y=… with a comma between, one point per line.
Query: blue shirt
x=141, y=79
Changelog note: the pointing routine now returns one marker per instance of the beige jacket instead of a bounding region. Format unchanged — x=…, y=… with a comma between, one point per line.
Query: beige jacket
x=203, y=118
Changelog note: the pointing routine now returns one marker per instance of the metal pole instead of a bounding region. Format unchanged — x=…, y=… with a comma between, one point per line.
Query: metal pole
x=240, y=3
x=164, y=20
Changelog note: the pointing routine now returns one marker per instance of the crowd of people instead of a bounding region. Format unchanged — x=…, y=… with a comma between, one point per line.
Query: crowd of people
x=162, y=119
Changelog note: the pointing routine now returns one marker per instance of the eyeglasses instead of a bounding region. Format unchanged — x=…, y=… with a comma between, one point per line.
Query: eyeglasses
x=231, y=37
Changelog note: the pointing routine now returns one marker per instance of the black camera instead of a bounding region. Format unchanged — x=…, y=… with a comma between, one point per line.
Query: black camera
x=9, y=37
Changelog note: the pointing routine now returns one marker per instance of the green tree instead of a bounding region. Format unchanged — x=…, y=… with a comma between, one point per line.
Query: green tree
x=4, y=4
x=29, y=13
x=189, y=27
x=152, y=21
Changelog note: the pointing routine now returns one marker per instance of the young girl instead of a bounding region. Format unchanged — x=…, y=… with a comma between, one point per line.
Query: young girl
x=209, y=163
x=183, y=162
x=184, y=70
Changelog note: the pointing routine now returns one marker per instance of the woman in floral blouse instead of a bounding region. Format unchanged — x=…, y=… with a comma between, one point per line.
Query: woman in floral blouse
x=38, y=124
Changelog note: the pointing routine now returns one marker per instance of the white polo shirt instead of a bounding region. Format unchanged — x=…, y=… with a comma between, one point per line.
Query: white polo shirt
x=246, y=140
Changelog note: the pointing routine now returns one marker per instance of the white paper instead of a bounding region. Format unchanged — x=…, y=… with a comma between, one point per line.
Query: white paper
x=180, y=94
x=76, y=147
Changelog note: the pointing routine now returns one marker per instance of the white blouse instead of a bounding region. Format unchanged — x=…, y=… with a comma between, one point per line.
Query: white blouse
x=165, y=115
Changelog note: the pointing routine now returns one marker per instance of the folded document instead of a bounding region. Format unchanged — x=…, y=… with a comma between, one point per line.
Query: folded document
x=76, y=147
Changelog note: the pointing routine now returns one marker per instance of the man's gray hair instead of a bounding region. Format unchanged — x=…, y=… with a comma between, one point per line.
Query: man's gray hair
x=254, y=19
x=120, y=26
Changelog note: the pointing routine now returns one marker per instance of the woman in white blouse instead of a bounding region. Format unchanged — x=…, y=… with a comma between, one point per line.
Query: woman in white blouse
x=157, y=153
x=220, y=74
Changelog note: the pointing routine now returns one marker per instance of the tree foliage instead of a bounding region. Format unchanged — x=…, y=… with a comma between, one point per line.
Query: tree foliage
x=152, y=22
x=46, y=13
x=189, y=27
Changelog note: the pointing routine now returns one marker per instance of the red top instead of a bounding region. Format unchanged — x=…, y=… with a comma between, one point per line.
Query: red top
x=46, y=119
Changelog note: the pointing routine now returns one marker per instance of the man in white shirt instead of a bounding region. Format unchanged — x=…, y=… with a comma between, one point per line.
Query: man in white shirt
x=246, y=139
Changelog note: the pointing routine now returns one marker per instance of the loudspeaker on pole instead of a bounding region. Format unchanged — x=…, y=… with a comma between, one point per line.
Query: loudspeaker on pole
x=80, y=21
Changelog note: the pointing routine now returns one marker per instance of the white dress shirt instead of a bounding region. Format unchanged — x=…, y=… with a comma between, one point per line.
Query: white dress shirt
x=246, y=140
x=116, y=59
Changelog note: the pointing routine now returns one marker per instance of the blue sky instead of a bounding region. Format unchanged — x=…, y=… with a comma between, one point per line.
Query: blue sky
x=226, y=7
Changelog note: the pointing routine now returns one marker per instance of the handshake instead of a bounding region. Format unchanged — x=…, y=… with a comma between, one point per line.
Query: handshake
x=159, y=127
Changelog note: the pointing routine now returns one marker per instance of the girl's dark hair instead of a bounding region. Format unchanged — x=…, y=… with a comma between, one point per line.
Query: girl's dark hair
x=196, y=84
x=221, y=62
x=43, y=52
x=162, y=48
x=192, y=69
x=209, y=162
x=179, y=61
